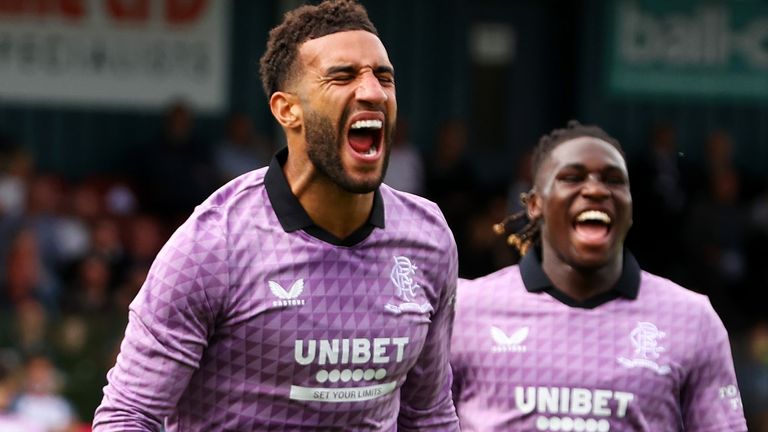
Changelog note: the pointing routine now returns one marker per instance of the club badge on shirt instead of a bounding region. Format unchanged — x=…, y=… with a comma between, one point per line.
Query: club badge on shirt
x=645, y=338
x=407, y=289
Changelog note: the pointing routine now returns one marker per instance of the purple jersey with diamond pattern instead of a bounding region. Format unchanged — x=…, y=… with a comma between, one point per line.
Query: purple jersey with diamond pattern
x=524, y=361
x=243, y=326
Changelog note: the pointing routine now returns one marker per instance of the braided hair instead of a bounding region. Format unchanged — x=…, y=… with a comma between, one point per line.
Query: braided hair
x=523, y=232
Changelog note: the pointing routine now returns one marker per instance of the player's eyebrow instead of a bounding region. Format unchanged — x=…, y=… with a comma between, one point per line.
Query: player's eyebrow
x=350, y=69
x=384, y=70
x=342, y=69
x=581, y=166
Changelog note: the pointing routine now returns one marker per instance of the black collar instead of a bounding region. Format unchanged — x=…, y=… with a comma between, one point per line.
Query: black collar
x=293, y=217
x=536, y=280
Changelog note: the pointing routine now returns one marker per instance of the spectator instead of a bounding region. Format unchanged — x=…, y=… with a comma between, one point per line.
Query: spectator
x=406, y=167
x=449, y=176
x=176, y=170
x=757, y=256
x=242, y=149
x=16, y=169
x=450, y=181
x=90, y=291
x=752, y=369
x=521, y=183
x=29, y=327
x=40, y=402
x=107, y=242
x=715, y=236
x=145, y=235
x=26, y=277
x=661, y=187
x=10, y=421
x=720, y=156
x=484, y=251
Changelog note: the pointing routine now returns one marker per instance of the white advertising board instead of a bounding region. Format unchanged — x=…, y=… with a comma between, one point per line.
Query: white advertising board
x=120, y=53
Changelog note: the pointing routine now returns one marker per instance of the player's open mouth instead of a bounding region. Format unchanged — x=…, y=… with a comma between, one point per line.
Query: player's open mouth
x=365, y=138
x=592, y=226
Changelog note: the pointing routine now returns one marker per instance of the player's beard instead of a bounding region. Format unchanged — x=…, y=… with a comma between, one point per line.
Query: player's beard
x=324, y=146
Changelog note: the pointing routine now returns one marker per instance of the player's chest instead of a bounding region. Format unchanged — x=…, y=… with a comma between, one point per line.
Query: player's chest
x=354, y=304
x=339, y=280
x=588, y=347
x=588, y=365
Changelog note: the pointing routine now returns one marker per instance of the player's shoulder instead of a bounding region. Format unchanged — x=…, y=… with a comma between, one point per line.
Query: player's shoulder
x=237, y=190
x=658, y=287
x=401, y=204
x=413, y=216
x=486, y=288
x=503, y=276
x=234, y=198
x=243, y=195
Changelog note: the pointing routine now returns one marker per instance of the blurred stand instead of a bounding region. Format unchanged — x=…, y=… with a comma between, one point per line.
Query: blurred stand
x=751, y=355
x=39, y=401
x=662, y=181
x=242, y=149
x=11, y=421
x=175, y=172
x=406, y=165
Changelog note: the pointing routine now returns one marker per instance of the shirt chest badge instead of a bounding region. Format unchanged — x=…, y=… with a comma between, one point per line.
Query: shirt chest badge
x=646, y=339
x=406, y=288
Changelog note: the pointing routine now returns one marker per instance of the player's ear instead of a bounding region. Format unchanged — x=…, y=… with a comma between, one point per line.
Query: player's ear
x=532, y=202
x=286, y=109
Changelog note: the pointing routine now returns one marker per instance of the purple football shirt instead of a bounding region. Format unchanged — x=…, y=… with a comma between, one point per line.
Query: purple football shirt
x=247, y=321
x=647, y=356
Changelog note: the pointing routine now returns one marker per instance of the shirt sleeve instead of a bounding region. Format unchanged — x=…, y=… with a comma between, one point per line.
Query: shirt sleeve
x=169, y=323
x=710, y=396
x=458, y=356
x=425, y=398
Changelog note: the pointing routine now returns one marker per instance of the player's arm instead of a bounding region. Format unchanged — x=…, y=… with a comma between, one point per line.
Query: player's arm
x=169, y=323
x=710, y=396
x=425, y=398
x=458, y=355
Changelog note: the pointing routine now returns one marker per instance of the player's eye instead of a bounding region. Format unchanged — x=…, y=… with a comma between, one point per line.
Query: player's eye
x=386, y=79
x=570, y=177
x=342, y=78
x=615, y=178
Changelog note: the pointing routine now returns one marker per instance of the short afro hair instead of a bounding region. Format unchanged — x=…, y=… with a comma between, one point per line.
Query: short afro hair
x=572, y=130
x=300, y=25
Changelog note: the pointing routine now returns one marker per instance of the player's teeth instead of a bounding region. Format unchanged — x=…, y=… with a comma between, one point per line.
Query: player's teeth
x=371, y=151
x=593, y=215
x=369, y=124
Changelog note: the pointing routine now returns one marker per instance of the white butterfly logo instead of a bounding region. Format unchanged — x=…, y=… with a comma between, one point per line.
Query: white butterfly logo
x=515, y=338
x=287, y=298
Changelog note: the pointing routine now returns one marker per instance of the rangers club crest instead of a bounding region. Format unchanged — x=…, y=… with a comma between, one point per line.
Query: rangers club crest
x=645, y=338
x=407, y=289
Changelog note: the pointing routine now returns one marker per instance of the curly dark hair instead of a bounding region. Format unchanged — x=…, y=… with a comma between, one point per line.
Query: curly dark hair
x=304, y=23
x=523, y=238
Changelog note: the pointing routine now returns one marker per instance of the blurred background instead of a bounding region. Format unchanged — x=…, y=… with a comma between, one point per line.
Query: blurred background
x=118, y=116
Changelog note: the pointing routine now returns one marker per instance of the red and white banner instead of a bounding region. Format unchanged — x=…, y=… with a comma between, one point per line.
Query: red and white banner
x=120, y=53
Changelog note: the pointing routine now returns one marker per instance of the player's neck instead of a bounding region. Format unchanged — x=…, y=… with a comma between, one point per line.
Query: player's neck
x=339, y=213
x=581, y=283
x=330, y=207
